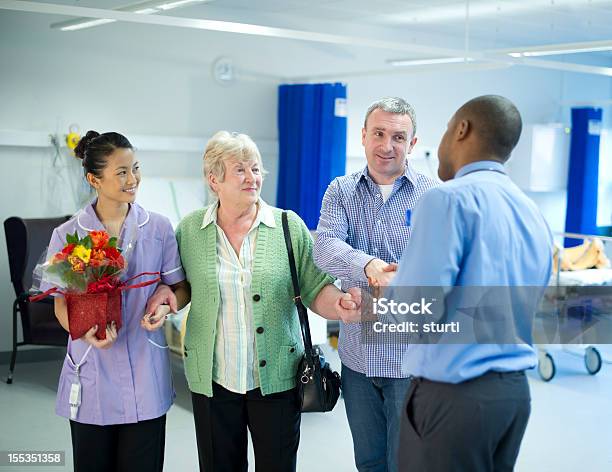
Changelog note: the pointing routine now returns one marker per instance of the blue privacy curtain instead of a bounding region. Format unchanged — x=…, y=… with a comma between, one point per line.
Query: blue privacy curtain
x=582, y=181
x=312, y=145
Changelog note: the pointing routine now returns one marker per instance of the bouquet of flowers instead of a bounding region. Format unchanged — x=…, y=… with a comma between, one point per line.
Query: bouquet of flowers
x=87, y=270
x=90, y=264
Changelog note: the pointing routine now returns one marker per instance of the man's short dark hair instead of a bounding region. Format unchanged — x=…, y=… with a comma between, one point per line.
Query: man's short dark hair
x=497, y=122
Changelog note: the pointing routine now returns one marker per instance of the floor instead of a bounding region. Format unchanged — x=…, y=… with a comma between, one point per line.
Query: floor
x=570, y=427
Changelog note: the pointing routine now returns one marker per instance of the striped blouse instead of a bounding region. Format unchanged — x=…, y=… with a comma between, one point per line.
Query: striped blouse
x=234, y=359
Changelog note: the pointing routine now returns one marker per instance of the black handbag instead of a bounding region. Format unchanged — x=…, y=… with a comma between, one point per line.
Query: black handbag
x=318, y=386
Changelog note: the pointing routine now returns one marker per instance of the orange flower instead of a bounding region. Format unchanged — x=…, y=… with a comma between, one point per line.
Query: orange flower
x=97, y=254
x=99, y=239
x=95, y=263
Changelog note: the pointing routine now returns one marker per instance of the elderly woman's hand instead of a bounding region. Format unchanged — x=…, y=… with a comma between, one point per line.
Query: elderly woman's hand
x=152, y=322
x=348, y=306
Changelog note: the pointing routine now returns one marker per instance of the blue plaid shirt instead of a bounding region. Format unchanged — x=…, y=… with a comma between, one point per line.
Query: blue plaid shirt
x=355, y=227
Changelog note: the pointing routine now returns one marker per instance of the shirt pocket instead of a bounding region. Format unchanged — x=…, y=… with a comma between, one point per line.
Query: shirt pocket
x=158, y=339
x=290, y=356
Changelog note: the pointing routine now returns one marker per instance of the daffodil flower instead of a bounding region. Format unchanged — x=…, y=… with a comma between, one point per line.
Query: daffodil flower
x=82, y=253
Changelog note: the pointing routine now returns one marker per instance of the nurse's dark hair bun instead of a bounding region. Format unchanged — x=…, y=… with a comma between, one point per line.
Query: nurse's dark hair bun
x=94, y=148
x=79, y=150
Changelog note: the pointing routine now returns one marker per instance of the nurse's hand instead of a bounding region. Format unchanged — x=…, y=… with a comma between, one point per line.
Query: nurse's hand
x=152, y=322
x=111, y=336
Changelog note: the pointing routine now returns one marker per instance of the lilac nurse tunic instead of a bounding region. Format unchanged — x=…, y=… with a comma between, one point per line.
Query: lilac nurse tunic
x=131, y=381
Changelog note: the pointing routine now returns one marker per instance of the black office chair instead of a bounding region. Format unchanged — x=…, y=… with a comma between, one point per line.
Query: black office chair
x=25, y=242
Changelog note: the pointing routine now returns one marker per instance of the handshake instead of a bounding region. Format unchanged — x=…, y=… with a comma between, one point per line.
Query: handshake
x=379, y=274
x=349, y=305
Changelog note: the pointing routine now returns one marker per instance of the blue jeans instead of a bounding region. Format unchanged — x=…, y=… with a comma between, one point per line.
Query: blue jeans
x=373, y=408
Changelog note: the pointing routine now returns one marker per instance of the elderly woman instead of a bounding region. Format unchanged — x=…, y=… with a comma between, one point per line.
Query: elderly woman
x=243, y=341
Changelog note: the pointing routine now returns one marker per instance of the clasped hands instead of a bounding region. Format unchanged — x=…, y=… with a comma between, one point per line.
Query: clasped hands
x=159, y=306
x=348, y=305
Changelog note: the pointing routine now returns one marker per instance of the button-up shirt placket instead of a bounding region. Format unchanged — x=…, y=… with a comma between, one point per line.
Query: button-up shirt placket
x=377, y=228
x=235, y=347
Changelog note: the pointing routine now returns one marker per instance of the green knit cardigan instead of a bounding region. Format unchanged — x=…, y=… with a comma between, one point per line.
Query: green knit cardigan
x=279, y=346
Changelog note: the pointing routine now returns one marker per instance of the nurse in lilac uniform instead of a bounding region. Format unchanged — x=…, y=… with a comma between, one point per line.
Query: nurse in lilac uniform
x=125, y=381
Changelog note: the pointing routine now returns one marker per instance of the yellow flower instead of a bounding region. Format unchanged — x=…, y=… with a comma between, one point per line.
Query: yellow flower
x=82, y=253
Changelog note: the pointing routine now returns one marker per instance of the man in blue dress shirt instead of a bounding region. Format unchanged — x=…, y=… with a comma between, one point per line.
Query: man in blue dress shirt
x=362, y=233
x=468, y=404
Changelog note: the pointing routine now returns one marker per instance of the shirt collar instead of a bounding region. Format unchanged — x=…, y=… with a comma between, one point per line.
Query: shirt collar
x=88, y=220
x=137, y=217
x=409, y=173
x=265, y=215
x=480, y=165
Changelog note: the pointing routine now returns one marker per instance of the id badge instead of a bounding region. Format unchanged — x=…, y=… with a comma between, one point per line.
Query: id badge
x=75, y=399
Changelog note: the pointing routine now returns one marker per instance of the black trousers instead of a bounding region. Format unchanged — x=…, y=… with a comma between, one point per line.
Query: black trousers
x=119, y=447
x=221, y=423
x=473, y=426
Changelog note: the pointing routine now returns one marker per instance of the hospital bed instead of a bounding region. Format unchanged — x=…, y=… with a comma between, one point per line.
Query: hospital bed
x=570, y=295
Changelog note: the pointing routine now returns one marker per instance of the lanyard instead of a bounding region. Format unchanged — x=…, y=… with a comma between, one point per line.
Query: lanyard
x=74, y=400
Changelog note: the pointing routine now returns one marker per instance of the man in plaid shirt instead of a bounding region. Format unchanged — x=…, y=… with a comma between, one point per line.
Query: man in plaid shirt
x=362, y=232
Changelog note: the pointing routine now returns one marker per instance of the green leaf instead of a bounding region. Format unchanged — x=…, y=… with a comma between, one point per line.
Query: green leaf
x=112, y=242
x=86, y=241
x=72, y=238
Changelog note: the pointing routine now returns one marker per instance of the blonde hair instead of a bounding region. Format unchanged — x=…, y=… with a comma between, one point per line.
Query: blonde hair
x=224, y=146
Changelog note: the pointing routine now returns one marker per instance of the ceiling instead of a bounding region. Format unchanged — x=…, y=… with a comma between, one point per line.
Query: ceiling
x=505, y=23
x=362, y=36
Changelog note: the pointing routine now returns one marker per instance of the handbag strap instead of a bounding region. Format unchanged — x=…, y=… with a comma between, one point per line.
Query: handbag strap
x=297, y=299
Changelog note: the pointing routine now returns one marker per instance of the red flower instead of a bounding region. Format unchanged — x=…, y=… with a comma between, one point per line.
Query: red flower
x=59, y=257
x=105, y=284
x=114, y=257
x=63, y=254
x=119, y=263
x=111, y=253
x=68, y=248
